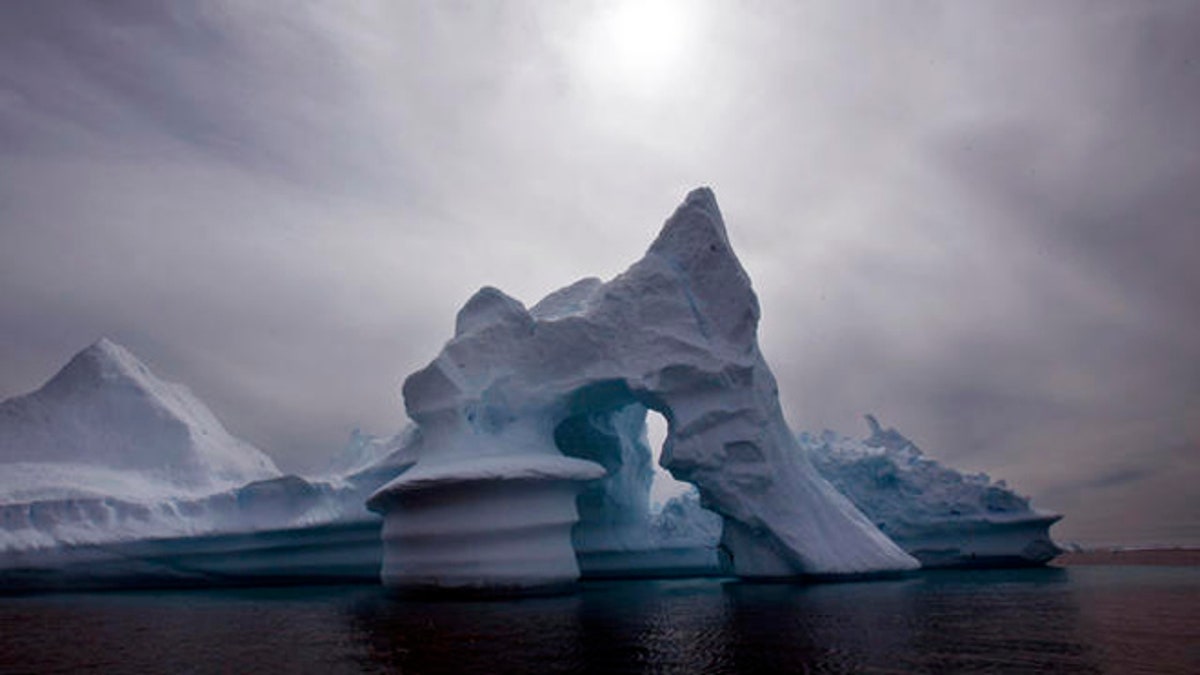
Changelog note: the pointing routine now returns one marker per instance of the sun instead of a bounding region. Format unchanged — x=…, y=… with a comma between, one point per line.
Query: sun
x=638, y=45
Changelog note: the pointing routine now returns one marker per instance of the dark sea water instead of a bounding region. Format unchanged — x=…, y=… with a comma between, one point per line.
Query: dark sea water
x=1085, y=619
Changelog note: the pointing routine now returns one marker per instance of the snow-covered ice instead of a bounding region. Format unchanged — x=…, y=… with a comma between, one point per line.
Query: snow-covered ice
x=676, y=333
x=939, y=515
x=943, y=517
x=108, y=472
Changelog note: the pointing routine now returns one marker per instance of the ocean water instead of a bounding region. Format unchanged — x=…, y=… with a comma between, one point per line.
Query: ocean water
x=1075, y=620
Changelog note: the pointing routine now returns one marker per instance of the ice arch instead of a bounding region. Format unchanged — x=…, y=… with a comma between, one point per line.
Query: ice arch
x=491, y=501
x=614, y=511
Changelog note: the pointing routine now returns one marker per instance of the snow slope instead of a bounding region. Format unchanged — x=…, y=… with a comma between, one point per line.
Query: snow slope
x=286, y=529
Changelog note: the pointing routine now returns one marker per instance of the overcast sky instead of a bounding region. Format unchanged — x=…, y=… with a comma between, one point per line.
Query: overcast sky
x=980, y=221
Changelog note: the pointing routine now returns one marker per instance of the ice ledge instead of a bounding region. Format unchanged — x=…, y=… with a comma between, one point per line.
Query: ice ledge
x=519, y=468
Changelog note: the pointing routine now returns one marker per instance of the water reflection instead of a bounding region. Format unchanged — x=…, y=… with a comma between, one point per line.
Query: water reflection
x=1078, y=620
x=940, y=622
x=1007, y=621
x=465, y=636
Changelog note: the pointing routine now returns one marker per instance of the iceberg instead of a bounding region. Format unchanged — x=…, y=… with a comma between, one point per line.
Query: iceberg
x=511, y=419
x=112, y=476
x=940, y=516
x=526, y=465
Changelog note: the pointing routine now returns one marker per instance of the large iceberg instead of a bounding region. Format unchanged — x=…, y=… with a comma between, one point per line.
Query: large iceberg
x=512, y=418
x=527, y=463
x=942, y=517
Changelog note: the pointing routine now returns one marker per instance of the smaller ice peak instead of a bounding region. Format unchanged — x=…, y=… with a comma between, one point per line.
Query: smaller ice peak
x=888, y=439
x=567, y=301
x=106, y=351
x=101, y=361
x=105, y=408
x=367, y=461
x=490, y=306
x=886, y=465
x=109, y=367
x=363, y=450
x=873, y=423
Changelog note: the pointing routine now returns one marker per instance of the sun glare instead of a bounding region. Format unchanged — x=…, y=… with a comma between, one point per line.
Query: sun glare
x=638, y=45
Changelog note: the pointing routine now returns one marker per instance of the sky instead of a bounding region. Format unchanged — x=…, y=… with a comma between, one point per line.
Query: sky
x=978, y=221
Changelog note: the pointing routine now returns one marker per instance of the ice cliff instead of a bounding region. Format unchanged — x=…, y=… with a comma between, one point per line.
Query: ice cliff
x=939, y=515
x=512, y=414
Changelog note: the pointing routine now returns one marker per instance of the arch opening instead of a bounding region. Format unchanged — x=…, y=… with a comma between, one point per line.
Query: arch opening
x=638, y=520
x=664, y=487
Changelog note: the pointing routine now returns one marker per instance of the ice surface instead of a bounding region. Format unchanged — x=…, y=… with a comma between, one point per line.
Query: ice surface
x=941, y=516
x=282, y=529
x=676, y=333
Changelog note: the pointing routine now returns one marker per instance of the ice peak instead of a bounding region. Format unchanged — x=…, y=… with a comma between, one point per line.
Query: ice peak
x=703, y=198
x=695, y=244
x=488, y=306
x=565, y=301
x=106, y=351
x=103, y=360
x=106, y=345
x=105, y=408
x=888, y=439
x=695, y=226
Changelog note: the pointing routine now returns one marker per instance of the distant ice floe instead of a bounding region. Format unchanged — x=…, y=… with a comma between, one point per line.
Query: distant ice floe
x=941, y=516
